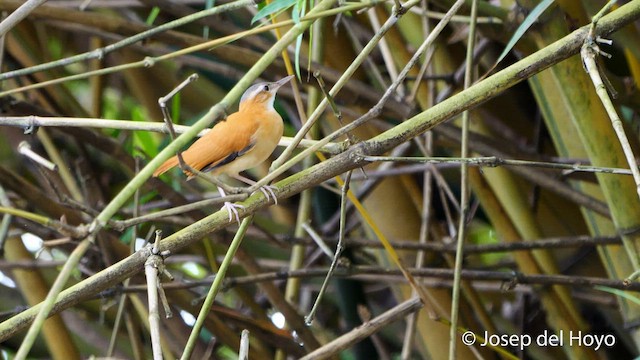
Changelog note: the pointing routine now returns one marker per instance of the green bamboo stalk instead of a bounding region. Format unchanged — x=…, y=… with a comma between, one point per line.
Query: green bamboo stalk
x=215, y=287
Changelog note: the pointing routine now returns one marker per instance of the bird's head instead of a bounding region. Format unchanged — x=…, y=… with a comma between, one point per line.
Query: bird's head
x=262, y=94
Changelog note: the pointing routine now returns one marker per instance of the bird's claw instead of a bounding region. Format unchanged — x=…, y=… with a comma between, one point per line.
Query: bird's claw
x=232, y=210
x=269, y=193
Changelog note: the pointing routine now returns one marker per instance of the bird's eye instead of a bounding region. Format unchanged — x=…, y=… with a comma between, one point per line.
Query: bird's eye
x=266, y=88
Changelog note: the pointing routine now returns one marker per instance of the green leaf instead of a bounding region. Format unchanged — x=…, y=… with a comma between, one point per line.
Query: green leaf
x=299, y=9
x=142, y=140
x=155, y=11
x=273, y=8
x=526, y=24
x=621, y=293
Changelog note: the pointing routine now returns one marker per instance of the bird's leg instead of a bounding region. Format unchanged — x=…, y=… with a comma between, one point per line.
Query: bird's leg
x=212, y=179
x=267, y=190
x=232, y=208
x=221, y=185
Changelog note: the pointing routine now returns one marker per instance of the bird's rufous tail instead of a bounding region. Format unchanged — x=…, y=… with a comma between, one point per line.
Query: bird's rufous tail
x=166, y=166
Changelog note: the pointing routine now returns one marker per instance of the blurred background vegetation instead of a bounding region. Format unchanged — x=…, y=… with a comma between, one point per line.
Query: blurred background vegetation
x=580, y=224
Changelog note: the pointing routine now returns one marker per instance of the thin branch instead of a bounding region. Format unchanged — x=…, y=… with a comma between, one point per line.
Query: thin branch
x=494, y=161
x=464, y=193
x=339, y=248
x=425, y=143
x=25, y=149
x=150, y=61
x=536, y=177
x=176, y=210
x=101, y=52
x=15, y=17
x=243, y=354
x=76, y=232
x=6, y=219
x=456, y=18
x=317, y=239
x=152, y=268
x=122, y=301
x=42, y=121
x=509, y=279
x=439, y=247
x=589, y=52
x=361, y=332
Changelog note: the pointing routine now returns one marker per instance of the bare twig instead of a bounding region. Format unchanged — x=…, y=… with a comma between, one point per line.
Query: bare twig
x=318, y=240
x=464, y=193
x=99, y=53
x=41, y=121
x=243, y=354
x=176, y=210
x=494, y=161
x=339, y=248
x=589, y=51
x=508, y=279
x=368, y=328
x=17, y=16
x=25, y=149
x=153, y=267
x=6, y=219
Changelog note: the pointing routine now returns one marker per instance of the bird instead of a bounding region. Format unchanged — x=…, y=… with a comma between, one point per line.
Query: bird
x=239, y=142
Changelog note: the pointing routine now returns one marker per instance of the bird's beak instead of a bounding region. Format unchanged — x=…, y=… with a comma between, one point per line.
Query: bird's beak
x=282, y=81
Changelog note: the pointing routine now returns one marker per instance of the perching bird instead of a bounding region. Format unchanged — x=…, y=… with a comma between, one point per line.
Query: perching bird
x=243, y=140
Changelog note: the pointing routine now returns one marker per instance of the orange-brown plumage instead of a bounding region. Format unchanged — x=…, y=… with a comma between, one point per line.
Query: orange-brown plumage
x=241, y=141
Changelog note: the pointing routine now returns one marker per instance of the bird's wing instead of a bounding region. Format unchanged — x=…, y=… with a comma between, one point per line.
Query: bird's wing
x=228, y=140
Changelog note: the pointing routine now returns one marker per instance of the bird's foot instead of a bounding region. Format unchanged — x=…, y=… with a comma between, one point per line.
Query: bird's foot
x=232, y=210
x=269, y=193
